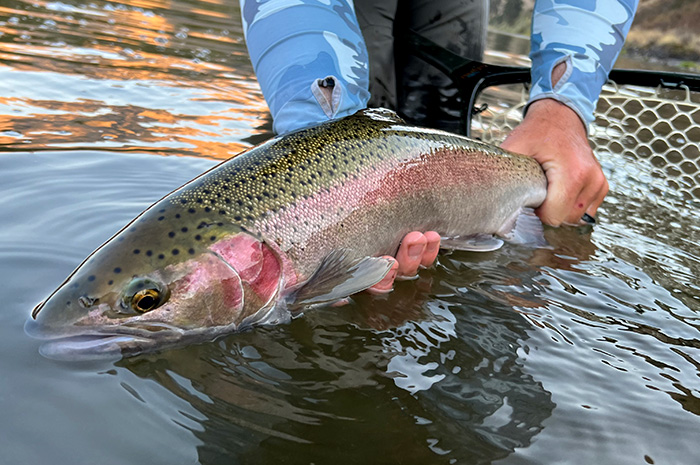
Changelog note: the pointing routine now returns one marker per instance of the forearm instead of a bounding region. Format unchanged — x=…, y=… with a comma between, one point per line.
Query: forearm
x=585, y=41
x=292, y=45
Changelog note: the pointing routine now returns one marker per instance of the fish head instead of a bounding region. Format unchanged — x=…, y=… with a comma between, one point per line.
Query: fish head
x=120, y=303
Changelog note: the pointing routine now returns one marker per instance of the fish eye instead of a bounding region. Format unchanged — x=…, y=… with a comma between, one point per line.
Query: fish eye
x=145, y=300
x=143, y=295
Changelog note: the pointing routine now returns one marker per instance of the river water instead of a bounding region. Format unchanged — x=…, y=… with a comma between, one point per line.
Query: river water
x=586, y=352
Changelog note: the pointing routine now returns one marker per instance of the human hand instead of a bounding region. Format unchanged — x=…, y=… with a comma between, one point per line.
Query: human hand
x=555, y=136
x=416, y=249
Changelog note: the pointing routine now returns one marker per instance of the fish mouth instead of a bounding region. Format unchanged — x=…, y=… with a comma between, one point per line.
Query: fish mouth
x=92, y=347
x=95, y=344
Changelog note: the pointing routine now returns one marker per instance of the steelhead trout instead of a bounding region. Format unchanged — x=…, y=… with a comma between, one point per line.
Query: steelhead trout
x=291, y=223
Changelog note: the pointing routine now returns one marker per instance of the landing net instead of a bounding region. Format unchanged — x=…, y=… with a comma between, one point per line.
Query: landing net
x=646, y=138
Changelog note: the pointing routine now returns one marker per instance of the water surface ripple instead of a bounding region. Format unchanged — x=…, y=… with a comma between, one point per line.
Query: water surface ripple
x=585, y=352
x=158, y=76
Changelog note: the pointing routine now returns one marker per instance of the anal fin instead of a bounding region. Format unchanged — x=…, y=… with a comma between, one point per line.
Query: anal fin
x=525, y=228
x=475, y=243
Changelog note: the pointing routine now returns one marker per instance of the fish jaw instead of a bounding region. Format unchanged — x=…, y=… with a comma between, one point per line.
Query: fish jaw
x=100, y=343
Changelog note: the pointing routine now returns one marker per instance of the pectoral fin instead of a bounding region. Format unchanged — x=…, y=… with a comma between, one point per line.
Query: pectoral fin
x=339, y=275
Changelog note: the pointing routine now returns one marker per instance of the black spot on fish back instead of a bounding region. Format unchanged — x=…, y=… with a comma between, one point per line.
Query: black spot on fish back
x=271, y=175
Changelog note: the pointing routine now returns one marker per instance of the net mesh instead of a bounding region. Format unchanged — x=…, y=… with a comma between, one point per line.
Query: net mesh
x=649, y=136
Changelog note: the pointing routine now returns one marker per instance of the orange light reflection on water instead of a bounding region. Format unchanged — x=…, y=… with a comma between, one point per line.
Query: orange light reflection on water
x=91, y=124
x=166, y=77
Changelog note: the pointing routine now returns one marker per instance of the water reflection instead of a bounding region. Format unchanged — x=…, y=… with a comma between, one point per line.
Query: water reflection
x=408, y=378
x=74, y=71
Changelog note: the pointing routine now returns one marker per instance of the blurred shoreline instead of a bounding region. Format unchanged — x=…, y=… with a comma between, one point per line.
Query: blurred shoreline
x=663, y=31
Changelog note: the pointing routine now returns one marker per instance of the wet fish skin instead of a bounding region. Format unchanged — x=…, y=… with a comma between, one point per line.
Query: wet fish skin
x=224, y=249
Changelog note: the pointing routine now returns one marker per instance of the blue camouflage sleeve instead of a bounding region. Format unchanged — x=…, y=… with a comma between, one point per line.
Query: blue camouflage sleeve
x=309, y=57
x=586, y=35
